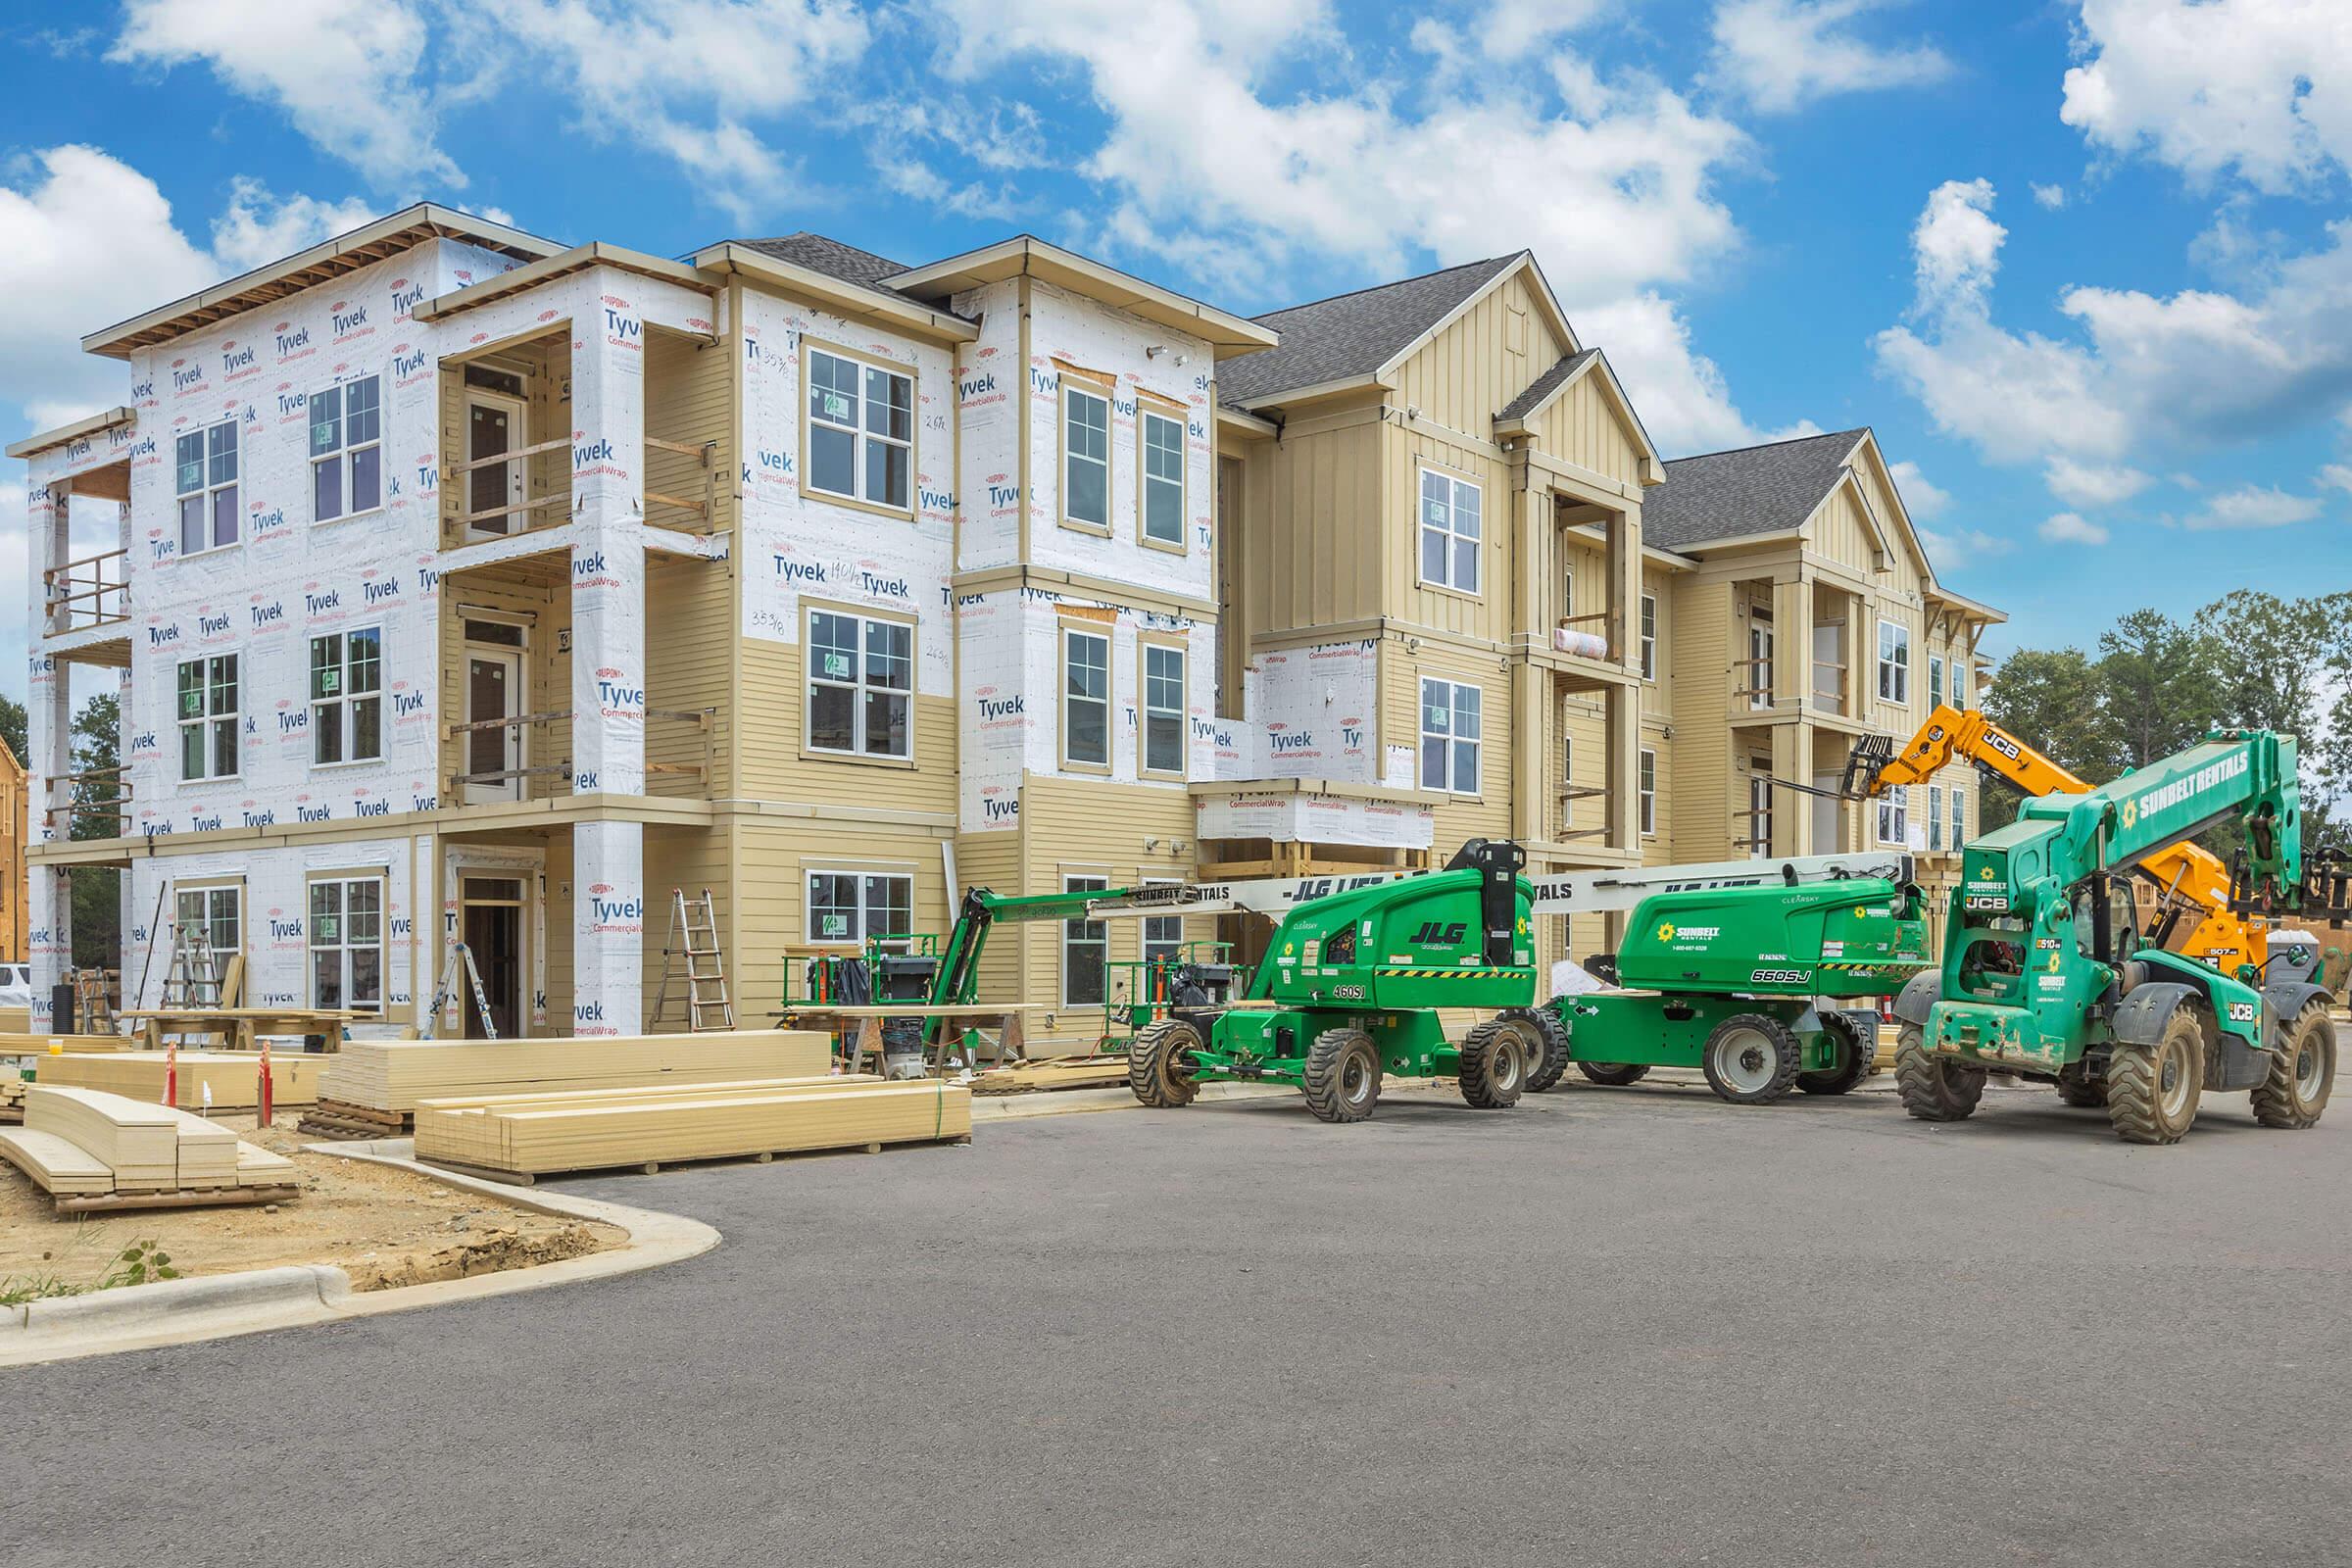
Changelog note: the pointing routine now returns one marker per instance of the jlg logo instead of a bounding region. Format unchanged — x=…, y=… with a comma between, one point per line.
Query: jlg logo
x=1431, y=934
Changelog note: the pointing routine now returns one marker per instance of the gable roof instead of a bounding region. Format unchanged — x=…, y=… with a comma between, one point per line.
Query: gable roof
x=830, y=257
x=1749, y=490
x=1539, y=391
x=1350, y=336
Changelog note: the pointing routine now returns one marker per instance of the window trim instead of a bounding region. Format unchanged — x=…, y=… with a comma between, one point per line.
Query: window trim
x=1894, y=812
x=810, y=870
x=1061, y=947
x=1645, y=629
x=347, y=448
x=236, y=716
x=1457, y=482
x=914, y=425
x=1760, y=823
x=1886, y=661
x=1150, y=406
x=210, y=885
x=344, y=701
x=1935, y=819
x=1145, y=644
x=1103, y=392
x=1935, y=681
x=1956, y=801
x=810, y=609
x=1453, y=710
x=382, y=878
x=1646, y=796
x=208, y=490
x=1064, y=631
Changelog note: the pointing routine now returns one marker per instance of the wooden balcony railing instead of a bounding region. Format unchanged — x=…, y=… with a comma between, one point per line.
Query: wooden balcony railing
x=90, y=592
x=101, y=794
x=699, y=773
x=700, y=516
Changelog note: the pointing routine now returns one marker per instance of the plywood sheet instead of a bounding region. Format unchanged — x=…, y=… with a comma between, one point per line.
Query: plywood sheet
x=396, y=1074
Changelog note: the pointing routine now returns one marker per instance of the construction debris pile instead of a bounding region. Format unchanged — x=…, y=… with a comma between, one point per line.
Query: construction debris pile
x=89, y=1149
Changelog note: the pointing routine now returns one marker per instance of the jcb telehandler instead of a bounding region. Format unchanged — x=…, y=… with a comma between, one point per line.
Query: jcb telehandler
x=2044, y=972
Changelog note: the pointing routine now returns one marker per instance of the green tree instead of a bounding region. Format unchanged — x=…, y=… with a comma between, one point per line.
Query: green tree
x=97, y=889
x=13, y=729
x=2052, y=700
x=2160, y=686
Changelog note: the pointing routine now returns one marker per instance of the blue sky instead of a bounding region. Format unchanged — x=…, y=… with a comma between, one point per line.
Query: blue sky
x=2085, y=264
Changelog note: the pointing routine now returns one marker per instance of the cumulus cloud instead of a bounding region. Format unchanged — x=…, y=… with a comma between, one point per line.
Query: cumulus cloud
x=2053, y=197
x=1924, y=500
x=2071, y=528
x=1781, y=55
x=1957, y=547
x=2253, y=506
x=2092, y=486
x=2257, y=88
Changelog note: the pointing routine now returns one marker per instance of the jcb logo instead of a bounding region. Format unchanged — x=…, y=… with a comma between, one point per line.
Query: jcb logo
x=1433, y=934
x=2242, y=1013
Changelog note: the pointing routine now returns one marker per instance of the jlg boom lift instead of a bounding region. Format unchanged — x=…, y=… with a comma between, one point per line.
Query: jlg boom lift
x=2044, y=972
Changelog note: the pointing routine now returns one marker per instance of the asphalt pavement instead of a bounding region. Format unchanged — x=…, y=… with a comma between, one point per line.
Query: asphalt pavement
x=1609, y=1326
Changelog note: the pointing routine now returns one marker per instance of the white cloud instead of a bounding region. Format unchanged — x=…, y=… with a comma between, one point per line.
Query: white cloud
x=2254, y=506
x=1207, y=167
x=2262, y=89
x=1956, y=246
x=1949, y=550
x=1782, y=54
x=258, y=230
x=1924, y=500
x=2069, y=528
x=2053, y=197
x=2336, y=476
x=345, y=72
x=2090, y=485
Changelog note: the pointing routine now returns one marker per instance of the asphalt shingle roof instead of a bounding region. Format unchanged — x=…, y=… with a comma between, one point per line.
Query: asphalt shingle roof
x=831, y=258
x=1543, y=385
x=1726, y=495
x=1350, y=334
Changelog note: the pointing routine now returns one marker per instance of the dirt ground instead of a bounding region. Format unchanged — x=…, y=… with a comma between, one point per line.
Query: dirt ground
x=385, y=1227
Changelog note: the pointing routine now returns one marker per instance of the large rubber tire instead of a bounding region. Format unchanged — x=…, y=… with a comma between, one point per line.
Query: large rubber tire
x=1934, y=1087
x=1616, y=1074
x=2154, y=1090
x=1751, y=1059
x=1158, y=1068
x=1497, y=1058
x=1553, y=1062
x=2296, y=1091
x=2078, y=1088
x=1854, y=1059
x=1342, y=1081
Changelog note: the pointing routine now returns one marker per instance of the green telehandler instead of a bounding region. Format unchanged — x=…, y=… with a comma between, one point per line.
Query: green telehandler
x=2043, y=975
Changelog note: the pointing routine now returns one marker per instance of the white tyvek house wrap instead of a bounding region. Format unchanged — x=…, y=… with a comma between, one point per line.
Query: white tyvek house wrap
x=1319, y=818
x=1317, y=708
x=800, y=546
x=608, y=558
x=608, y=927
x=989, y=388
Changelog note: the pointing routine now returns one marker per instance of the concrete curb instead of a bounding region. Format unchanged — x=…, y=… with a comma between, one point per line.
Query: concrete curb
x=138, y=1317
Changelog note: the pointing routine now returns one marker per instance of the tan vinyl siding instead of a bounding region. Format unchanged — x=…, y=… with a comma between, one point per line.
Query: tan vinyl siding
x=545, y=603
x=1468, y=370
x=774, y=768
x=1310, y=555
x=690, y=858
x=1583, y=426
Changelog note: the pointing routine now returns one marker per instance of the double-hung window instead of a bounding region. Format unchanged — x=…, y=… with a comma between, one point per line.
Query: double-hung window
x=347, y=454
x=347, y=942
x=1935, y=818
x=347, y=702
x=1894, y=815
x=209, y=708
x=1085, y=699
x=1650, y=636
x=1165, y=717
x=1451, y=531
x=1162, y=438
x=1085, y=951
x=853, y=908
x=1959, y=820
x=205, y=465
x=1895, y=663
x=1450, y=744
x=1759, y=809
x=1084, y=457
x=860, y=685
x=1646, y=792
x=861, y=430
x=1935, y=681
x=215, y=914
x=1960, y=686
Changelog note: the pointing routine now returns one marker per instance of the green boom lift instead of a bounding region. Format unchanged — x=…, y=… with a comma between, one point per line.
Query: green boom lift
x=2043, y=974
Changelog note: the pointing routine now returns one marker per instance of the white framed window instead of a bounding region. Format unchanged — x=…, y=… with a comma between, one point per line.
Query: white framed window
x=1085, y=951
x=1895, y=663
x=850, y=908
x=1567, y=784
x=1452, y=524
x=1759, y=809
x=1646, y=792
x=1650, y=636
x=209, y=708
x=1085, y=699
x=1894, y=815
x=1960, y=685
x=1452, y=744
x=204, y=469
x=1084, y=457
x=861, y=431
x=1759, y=658
x=1959, y=818
x=1160, y=438
x=347, y=455
x=1935, y=681
x=218, y=911
x=1164, y=718
x=347, y=704
x=860, y=685
x=347, y=942
x=1936, y=816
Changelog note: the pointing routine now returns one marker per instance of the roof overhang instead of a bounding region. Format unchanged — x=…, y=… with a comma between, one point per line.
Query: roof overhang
x=579, y=258
x=1653, y=466
x=1974, y=609
x=1026, y=256
x=119, y=415
x=322, y=263
x=1244, y=423
x=844, y=299
x=1320, y=389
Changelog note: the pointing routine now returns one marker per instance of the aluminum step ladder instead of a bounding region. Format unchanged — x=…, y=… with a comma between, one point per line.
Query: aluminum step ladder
x=691, y=958
x=460, y=961
x=194, y=978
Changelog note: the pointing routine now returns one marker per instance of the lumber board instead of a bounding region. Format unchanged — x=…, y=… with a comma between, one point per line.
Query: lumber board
x=139, y=1143
x=222, y=1198
x=394, y=1075
x=57, y=1166
x=1061, y=1072
x=233, y=1077
x=24, y=1044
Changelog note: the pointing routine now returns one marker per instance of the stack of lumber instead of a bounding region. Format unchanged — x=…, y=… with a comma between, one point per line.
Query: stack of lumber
x=23, y=1044
x=1056, y=1072
x=394, y=1075
x=232, y=1077
x=88, y=1150
x=533, y=1135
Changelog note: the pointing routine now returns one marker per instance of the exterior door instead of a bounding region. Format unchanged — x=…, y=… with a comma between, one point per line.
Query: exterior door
x=493, y=926
x=494, y=689
x=494, y=425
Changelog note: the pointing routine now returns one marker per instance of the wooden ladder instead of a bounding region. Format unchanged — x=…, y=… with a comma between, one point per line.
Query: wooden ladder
x=692, y=958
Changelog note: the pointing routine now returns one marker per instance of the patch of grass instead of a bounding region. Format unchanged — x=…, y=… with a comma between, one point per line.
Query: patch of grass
x=139, y=1263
